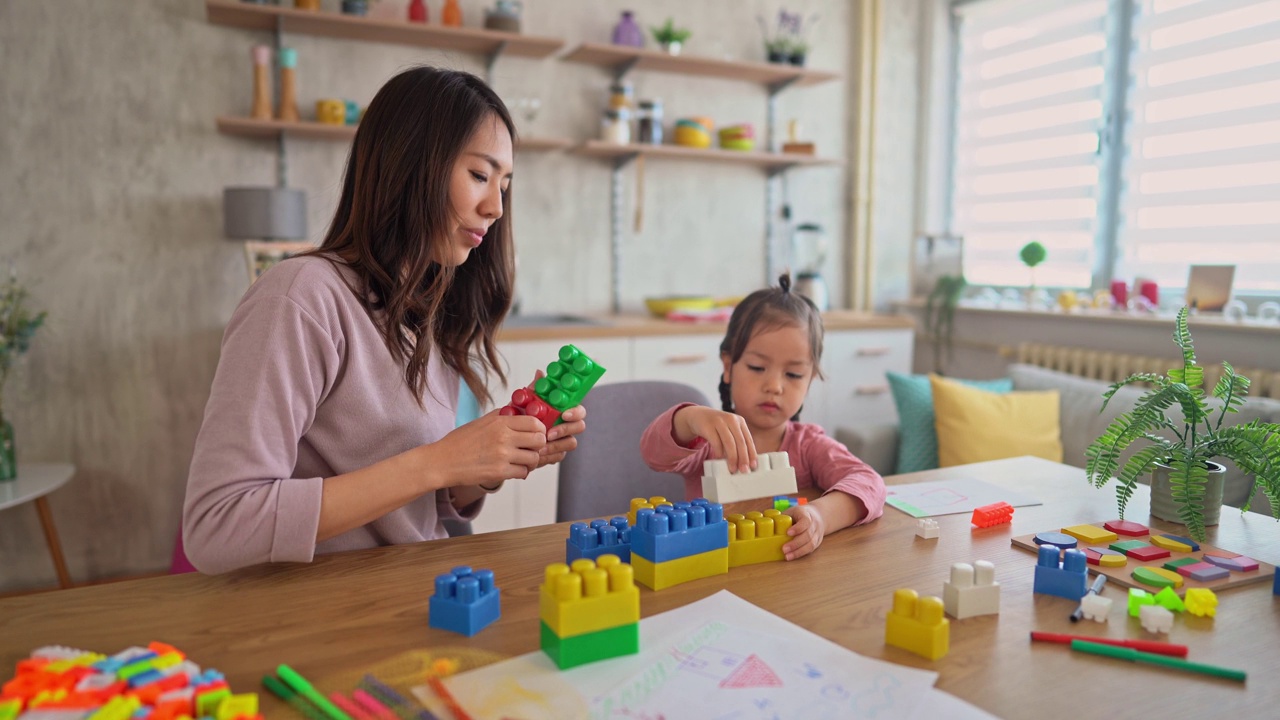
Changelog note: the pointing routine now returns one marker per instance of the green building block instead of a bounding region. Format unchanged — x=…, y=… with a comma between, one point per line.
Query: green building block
x=569, y=379
x=590, y=647
x=1138, y=598
x=1167, y=598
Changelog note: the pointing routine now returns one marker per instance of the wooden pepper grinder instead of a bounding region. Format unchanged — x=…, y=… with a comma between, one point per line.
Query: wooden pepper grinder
x=451, y=13
x=288, y=86
x=261, y=55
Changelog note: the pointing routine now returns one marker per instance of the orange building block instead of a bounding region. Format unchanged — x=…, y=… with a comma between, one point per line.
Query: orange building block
x=997, y=513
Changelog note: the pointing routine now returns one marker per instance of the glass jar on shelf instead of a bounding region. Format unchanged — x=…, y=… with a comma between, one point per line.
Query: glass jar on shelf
x=615, y=126
x=649, y=122
x=622, y=97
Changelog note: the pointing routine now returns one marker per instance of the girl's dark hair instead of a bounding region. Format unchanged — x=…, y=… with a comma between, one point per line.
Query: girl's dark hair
x=770, y=309
x=394, y=215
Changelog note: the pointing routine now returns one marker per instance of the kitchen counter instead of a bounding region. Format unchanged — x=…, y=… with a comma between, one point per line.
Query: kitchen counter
x=633, y=325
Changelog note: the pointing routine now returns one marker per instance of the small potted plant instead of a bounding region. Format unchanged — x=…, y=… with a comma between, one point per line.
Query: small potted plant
x=17, y=325
x=786, y=43
x=1186, y=485
x=670, y=37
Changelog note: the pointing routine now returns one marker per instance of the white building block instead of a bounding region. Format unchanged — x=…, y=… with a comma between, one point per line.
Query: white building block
x=927, y=528
x=972, y=591
x=1155, y=619
x=773, y=476
x=1095, y=607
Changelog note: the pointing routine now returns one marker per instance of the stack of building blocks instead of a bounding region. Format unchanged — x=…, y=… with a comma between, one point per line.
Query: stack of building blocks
x=651, y=503
x=673, y=544
x=997, y=513
x=927, y=528
x=917, y=625
x=1095, y=607
x=773, y=476
x=590, y=611
x=156, y=682
x=972, y=590
x=598, y=538
x=1201, y=602
x=566, y=384
x=757, y=537
x=1065, y=579
x=1155, y=619
x=465, y=602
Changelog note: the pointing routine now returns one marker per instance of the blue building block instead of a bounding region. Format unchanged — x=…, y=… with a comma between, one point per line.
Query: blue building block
x=681, y=530
x=1067, y=579
x=145, y=678
x=598, y=538
x=1275, y=586
x=465, y=602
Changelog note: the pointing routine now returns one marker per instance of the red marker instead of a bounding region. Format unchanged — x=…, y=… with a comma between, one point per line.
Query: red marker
x=1150, y=646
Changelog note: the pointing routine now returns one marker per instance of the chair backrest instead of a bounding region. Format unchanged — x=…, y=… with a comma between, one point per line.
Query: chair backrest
x=600, y=477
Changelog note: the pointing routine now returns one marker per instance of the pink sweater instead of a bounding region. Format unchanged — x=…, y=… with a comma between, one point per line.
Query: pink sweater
x=305, y=389
x=819, y=461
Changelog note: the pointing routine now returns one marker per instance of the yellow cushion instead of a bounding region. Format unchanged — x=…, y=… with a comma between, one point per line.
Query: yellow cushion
x=975, y=425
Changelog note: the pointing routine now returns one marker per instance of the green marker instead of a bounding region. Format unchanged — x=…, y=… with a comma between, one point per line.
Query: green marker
x=300, y=684
x=296, y=701
x=1143, y=657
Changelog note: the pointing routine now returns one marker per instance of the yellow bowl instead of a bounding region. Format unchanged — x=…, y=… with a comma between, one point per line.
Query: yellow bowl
x=660, y=306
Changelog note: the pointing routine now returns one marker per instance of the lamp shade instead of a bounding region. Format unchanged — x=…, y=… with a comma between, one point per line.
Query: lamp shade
x=264, y=213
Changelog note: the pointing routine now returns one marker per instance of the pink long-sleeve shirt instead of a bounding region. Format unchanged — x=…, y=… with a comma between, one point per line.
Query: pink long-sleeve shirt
x=306, y=389
x=819, y=461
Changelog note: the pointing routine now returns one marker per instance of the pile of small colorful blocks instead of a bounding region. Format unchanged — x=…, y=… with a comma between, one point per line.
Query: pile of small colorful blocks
x=157, y=682
x=782, y=502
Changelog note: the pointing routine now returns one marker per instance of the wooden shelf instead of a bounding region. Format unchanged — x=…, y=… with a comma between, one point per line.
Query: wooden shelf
x=768, y=160
x=234, y=13
x=619, y=57
x=249, y=127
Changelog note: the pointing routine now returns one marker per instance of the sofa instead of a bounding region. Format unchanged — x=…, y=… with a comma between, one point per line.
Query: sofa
x=1080, y=422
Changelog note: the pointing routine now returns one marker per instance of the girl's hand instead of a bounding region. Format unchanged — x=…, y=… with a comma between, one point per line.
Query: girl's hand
x=807, y=530
x=489, y=449
x=726, y=433
x=560, y=438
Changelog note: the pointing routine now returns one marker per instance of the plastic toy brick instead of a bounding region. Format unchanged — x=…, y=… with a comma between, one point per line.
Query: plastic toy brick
x=242, y=705
x=582, y=649
x=587, y=597
x=651, y=503
x=781, y=502
x=1105, y=557
x=1139, y=598
x=1201, y=602
x=972, y=590
x=773, y=476
x=1155, y=619
x=1203, y=571
x=1125, y=527
x=598, y=538
x=757, y=537
x=568, y=379
x=1095, y=607
x=1169, y=599
x=1275, y=585
x=1174, y=543
x=465, y=602
x=1157, y=577
x=525, y=402
x=991, y=515
x=1091, y=534
x=927, y=528
x=659, y=576
x=681, y=530
x=9, y=709
x=916, y=624
x=1065, y=579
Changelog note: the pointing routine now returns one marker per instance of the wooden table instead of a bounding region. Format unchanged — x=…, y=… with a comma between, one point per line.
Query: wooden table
x=33, y=483
x=349, y=611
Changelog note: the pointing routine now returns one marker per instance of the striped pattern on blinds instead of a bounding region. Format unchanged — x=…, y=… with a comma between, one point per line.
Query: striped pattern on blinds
x=1029, y=112
x=1202, y=172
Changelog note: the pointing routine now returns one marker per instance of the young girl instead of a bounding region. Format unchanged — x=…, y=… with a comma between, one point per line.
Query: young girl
x=771, y=354
x=330, y=423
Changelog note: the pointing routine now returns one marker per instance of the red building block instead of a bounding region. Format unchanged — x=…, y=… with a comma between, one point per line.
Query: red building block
x=994, y=514
x=526, y=402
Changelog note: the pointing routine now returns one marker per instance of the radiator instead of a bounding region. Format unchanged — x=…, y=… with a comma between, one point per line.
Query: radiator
x=1112, y=366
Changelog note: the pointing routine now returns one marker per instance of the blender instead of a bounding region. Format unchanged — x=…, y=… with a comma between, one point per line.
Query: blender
x=808, y=254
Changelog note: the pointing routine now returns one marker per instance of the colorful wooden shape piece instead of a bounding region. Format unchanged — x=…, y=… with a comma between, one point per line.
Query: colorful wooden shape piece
x=1175, y=564
x=1125, y=527
x=1201, y=602
x=1090, y=534
x=1192, y=545
x=1221, y=553
x=1105, y=557
x=1058, y=539
x=1150, y=552
x=1238, y=563
x=1124, y=546
x=1204, y=572
x=1157, y=577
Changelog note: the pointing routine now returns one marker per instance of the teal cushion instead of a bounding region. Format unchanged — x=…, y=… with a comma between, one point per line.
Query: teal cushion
x=918, y=440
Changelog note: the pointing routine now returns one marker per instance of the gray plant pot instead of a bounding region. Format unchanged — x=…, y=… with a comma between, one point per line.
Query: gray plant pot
x=1165, y=507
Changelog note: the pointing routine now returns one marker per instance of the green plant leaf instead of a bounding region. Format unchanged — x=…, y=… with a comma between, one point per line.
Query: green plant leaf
x=1187, y=482
x=1150, y=378
x=1138, y=465
x=1254, y=448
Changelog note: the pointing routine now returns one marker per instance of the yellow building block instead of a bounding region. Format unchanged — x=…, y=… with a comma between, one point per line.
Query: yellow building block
x=757, y=537
x=658, y=576
x=916, y=624
x=589, y=596
x=1201, y=602
x=1170, y=544
x=637, y=503
x=1091, y=534
x=242, y=705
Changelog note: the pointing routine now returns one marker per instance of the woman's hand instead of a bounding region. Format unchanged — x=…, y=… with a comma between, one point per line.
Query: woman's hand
x=726, y=433
x=560, y=438
x=806, y=531
x=490, y=449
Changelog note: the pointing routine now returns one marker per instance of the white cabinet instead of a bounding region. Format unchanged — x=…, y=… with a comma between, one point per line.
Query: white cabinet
x=689, y=359
x=855, y=390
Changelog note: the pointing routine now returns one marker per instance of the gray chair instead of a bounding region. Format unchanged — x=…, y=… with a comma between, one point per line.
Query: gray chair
x=599, y=478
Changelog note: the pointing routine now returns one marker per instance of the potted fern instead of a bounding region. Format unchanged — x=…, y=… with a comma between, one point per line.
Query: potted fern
x=1186, y=484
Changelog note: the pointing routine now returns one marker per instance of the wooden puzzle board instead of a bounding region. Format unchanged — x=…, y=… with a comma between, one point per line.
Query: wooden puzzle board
x=1123, y=576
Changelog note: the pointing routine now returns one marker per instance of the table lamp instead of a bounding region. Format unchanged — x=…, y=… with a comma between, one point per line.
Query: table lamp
x=264, y=213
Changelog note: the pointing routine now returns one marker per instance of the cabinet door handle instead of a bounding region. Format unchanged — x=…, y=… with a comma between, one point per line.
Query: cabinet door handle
x=873, y=351
x=684, y=359
x=871, y=390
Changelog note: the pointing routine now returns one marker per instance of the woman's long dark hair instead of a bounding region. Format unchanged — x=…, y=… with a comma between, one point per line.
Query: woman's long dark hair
x=394, y=215
x=770, y=309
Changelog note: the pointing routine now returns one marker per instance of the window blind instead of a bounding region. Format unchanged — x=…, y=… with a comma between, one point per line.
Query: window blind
x=1029, y=110
x=1202, y=166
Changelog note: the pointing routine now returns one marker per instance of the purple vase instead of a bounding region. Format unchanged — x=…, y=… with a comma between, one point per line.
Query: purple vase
x=627, y=32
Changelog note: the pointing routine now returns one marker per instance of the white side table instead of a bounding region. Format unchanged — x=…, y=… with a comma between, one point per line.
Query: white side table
x=34, y=482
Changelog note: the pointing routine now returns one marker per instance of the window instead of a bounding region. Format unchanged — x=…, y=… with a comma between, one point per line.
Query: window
x=1191, y=91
